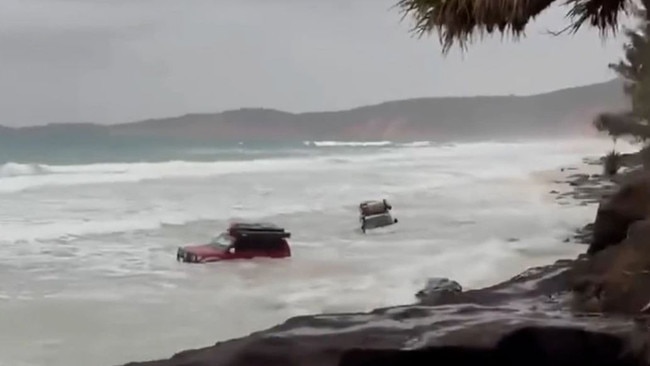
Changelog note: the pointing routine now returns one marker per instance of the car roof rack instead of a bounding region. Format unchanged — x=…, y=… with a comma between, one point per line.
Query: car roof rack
x=257, y=229
x=255, y=226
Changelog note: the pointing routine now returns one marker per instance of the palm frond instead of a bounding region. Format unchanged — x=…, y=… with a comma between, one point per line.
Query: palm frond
x=622, y=124
x=602, y=14
x=461, y=20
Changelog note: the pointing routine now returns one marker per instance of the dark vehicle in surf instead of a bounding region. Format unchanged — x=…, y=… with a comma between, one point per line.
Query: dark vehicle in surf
x=375, y=214
x=240, y=241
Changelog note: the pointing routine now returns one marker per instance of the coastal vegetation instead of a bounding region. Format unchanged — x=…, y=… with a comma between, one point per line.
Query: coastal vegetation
x=632, y=69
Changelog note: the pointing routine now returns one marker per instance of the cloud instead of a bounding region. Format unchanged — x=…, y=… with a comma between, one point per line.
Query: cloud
x=120, y=60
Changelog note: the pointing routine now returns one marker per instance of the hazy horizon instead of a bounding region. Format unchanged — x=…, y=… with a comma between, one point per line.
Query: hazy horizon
x=303, y=112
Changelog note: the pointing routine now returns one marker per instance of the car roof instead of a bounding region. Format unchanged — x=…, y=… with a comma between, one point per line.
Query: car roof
x=255, y=226
x=371, y=201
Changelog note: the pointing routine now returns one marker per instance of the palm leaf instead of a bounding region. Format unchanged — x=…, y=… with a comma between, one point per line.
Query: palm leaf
x=461, y=20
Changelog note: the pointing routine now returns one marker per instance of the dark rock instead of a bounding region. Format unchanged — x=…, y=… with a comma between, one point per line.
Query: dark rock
x=587, y=189
x=583, y=235
x=631, y=160
x=531, y=346
x=435, y=287
x=565, y=347
x=422, y=357
x=617, y=277
x=615, y=214
x=579, y=176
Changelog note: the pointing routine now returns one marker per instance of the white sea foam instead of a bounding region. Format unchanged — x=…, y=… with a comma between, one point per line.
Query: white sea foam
x=417, y=144
x=23, y=176
x=16, y=177
x=102, y=198
x=12, y=169
x=383, y=143
x=351, y=143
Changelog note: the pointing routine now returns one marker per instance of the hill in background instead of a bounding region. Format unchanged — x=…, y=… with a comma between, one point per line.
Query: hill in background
x=563, y=112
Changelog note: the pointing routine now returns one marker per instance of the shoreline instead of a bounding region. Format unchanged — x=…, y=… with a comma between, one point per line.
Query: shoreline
x=579, y=185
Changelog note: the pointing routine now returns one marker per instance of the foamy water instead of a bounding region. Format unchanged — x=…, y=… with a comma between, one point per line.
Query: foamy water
x=88, y=266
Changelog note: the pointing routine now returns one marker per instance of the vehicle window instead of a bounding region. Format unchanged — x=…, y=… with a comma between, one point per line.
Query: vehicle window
x=222, y=241
x=258, y=244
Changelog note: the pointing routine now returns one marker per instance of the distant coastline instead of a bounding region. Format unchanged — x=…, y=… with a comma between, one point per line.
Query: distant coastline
x=562, y=112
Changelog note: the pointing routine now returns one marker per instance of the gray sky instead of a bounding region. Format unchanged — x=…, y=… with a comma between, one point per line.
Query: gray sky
x=111, y=61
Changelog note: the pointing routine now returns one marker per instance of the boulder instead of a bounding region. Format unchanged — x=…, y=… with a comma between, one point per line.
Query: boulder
x=615, y=213
x=437, y=286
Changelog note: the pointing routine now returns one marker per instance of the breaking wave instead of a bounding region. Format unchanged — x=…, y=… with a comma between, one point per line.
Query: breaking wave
x=367, y=143
x=348, y=143
x=12, y=169
x=15, y=177
x=418, y=144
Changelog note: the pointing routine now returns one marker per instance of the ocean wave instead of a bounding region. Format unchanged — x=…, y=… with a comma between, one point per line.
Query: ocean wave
x=20, y=177
x=15, y=177
x=66, y=229
x=418, y=144
x=262, y=188
x=384, y=143
x=12, y=169
x=348, y=143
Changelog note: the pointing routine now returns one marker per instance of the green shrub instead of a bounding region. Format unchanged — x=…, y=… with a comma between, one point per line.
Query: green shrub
x=612, y=163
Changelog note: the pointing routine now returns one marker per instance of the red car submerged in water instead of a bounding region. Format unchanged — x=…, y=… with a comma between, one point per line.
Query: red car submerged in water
x=241, y=241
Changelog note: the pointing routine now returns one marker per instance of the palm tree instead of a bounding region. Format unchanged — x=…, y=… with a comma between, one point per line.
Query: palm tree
x=461, y=20
x=633, y=71
x=632, y=67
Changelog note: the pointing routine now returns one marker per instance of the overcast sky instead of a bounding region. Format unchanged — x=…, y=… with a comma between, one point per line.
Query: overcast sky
x=110, y=61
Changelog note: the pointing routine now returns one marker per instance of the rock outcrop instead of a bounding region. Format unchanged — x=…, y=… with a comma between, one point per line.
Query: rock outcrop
x=615, y=213
x=530, y=346
x=617, y=278
x=472, y=320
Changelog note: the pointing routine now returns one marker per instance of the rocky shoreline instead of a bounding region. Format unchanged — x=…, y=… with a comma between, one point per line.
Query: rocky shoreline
x=590, y=310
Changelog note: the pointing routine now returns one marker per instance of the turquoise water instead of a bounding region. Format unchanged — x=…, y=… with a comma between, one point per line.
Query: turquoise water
x=62, y=151
x=74, y=150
